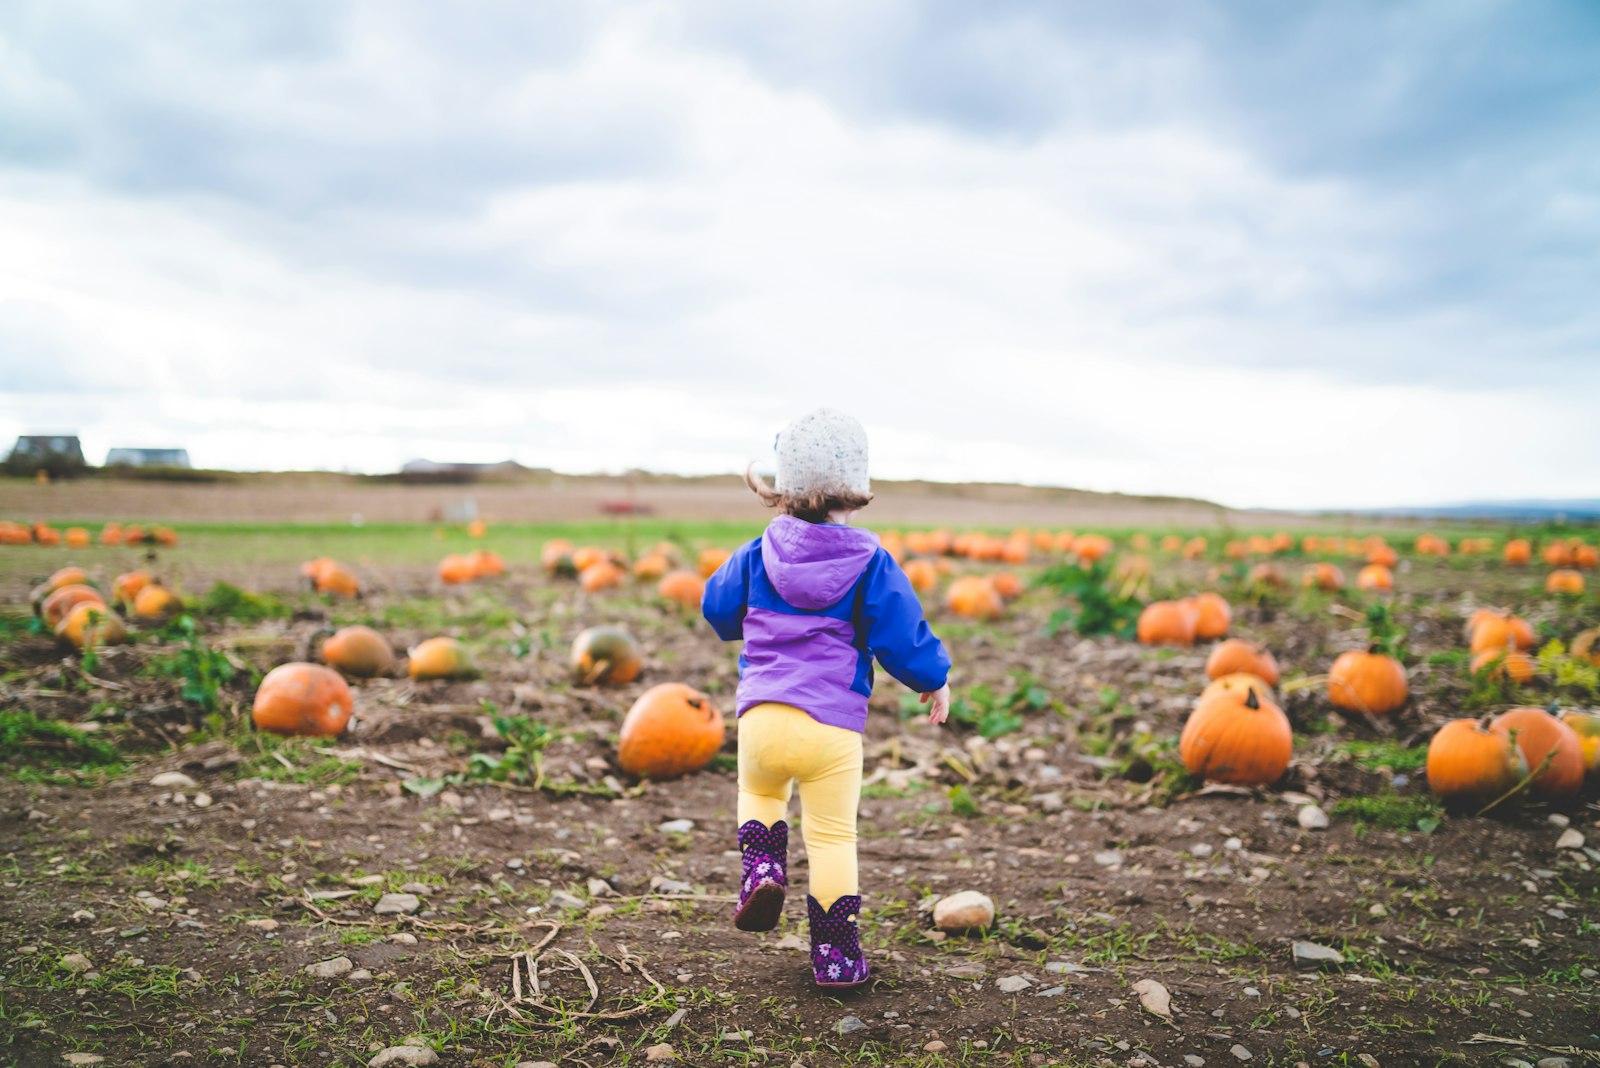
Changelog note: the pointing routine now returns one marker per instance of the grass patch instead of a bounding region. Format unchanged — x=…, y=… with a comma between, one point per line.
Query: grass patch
x=1398, y=812
x=1376, y=756
x=227, y=601
x=41, y=749
x=294, y=760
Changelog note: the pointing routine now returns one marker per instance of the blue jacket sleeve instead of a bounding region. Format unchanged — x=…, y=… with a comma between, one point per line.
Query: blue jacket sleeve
x=727, y=595
x=897, y=635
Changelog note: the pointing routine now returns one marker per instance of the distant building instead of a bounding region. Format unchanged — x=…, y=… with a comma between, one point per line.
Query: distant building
x=58, y=454
x=433, y=471
x=147, y=458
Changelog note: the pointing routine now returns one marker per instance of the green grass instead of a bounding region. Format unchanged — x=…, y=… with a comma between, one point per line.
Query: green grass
x=41, y=750
x=1374, y=756
x=1399, y=812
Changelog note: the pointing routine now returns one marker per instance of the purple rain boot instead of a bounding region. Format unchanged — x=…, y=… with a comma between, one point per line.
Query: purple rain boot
x=766, y=875
x=836, y=958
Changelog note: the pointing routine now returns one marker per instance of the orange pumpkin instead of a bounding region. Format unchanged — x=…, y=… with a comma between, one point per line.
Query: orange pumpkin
x=66, y=576
x=111, y=534
x=1468, y=764
x=1557, y=554
x=1270, y=575
x=1139, y=543
x=77, y=538
x=683, y=587
x=91, y=625
x=133, y=534
x=1171, y=543
x=606, y=656
x=1194, y=548
x=922, y=575
x=127, y=585
x=360, y=652
x=600, y=575
x=1238, y=683
x=1007, y=585
x=155, y=603
x=1503, y=663
x=1552, y=750
x=1517, y=552
x=1586, y=726
x=1323, y=576
x=302, y=699
x=456, y=568
x=486, y=563
x=60, y=602
x=1236, y=550
x=1236, y=655
x=441, y=658
x=1564, y=581
x=651, y=568
x=1375, y=577
x=1091, y=547
x=556, y=555
x=711, y=559
x=332, y=578
x=1212, y=615
x=1496, y=632
x=1239, y=738
x=671, y=730
x=1065, y=540
x=46, y=535
x=164, y=536
x=477, y=528
x=1371, y=683
x=973, y=597
x=1167, y=623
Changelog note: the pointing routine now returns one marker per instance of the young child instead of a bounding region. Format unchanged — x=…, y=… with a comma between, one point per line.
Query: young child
x=816, y=601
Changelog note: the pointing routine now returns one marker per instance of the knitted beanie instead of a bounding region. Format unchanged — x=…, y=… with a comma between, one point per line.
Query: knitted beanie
x=825, y=451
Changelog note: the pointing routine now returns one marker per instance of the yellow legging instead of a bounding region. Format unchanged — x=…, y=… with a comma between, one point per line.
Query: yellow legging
x=780, y=745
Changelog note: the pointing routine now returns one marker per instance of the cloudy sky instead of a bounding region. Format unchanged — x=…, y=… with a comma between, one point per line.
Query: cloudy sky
x=1336, y=254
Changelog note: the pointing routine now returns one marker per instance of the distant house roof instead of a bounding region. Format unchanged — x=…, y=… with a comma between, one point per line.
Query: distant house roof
x=46, y=446
x=147, y=458
x=433, y=467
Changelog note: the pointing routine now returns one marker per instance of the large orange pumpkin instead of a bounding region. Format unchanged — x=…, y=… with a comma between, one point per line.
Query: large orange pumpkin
x=61, y=601
x=111, y=534
x=1503, y=663
x=127, y=586
x=602, y=574
x=1236, y=655
x=456, y=568
x=66, y=576
x=1212, y=616
x=1238, y=683
x=1557, y=554
x=605, y=655
x=651, y=567
x=360, y=652
x=685, y=588
x=90, y=625
x=441, y=658
x=1372, y=683
x=155, y=603
x=77, y=538
x=1375, y=577
x=333, y=579
x=1323, y=576
x=1517, y=552
x=1468, y=764
x=486, y=563
x=302, y=699
x=1383, y=556
x=922, y=575
x=1091, y=547
x=1551, y=748
x=711, y=559
x=973, y=597
x=1239, y=738
x=1564, y=581
x=1497, y=631
x=671, y=730
x=1167, y=623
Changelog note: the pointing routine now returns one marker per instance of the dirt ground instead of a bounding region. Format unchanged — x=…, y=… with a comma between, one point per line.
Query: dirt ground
x=197, y=909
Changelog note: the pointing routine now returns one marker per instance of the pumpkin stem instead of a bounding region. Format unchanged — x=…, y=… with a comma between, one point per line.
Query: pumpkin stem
x=1251, y=701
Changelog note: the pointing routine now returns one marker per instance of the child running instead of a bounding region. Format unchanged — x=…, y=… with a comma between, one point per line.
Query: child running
x=816, y=601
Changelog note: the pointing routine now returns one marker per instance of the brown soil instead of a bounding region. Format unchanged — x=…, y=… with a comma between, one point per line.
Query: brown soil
x=1464, y=945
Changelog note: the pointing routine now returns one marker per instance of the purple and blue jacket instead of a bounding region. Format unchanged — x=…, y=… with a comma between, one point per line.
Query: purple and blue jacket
x=816, y=603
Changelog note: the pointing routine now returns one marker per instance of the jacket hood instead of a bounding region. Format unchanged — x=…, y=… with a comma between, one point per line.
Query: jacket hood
x=813, y=565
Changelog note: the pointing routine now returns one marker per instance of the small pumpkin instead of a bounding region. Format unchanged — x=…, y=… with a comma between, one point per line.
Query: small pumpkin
x=56, y=606
x=1565, y=580
x=1557, y=554
x=1194, y=548
x=1367, y=682
x=1091, y=547
x=1586, y=557
x=606, y=656
x=600, y=575
x=1236, y=655
x=1375, y=577
x=1518, y=551
x=1551, y=748
x=477, y=528
x=155, y=603
x=1238, y=738
x=1382, y=555
x=1502, y=664
x=1007, y=585
x=1471, y=765
x=360, y=652
x=164, y=536
x=1268, y=575
x=973, y=597
x=456, y=568
x=486, y=563
x=1167, y=623
x=651, y=568
x=441, y=658
x=671, y=730
x=1497, y=631
x=1212, y=615
x=1323, y=576
x=922, y=575
x=302, y=698
x=66, y=576
x=685, y=588
x=78, y=538
x=127, y=585
x=334, y=579
x=91, y=625
x=556, y=554
x=1171, y=543
x=1586, y=725
x=111, y=534
x=133, y=534
x=711, y=559
x=1239, y=682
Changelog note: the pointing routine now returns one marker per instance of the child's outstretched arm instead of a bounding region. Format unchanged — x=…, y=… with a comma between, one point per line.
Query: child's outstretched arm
x=727, y=595
x=899, y=638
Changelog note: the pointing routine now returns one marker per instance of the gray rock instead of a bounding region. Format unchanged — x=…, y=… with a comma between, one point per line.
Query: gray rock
x=397, y=904
x=675, y=1019
x=408, y=1055
x=560, y=899
x=76, y=963
x=1308, y=956
x=676, y=827
x=969, y=910
x=1241, y=1053
x=422, y=889
x=1312, y=818
x=965, y=971
x=173, y=780
x=331, y=969
x=1553, y=1062
x=83, y=1058
x=1013, y=984
x=1065, y=967
x=1571, y=838
x=1051, y=801
x=849, y=1025
x=1193, y=1061
x=674, y=886
x=660, y=1053
x=599, y=888
x=1108, y=858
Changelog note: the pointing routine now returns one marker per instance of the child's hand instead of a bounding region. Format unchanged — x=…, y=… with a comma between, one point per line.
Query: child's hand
x=941, y=704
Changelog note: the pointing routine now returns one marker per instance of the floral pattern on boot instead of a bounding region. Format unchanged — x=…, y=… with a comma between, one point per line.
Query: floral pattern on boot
x=765, y=859
x=836, y=957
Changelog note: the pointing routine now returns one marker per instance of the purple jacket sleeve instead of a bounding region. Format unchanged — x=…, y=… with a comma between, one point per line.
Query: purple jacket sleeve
x=897, y=635
x=727, y=595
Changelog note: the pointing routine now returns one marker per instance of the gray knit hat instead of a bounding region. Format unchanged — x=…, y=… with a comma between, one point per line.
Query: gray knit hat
x=825, y=451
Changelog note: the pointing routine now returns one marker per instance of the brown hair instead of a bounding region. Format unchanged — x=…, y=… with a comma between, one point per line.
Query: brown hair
x=813, y=507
